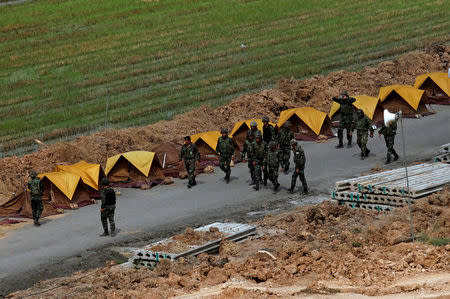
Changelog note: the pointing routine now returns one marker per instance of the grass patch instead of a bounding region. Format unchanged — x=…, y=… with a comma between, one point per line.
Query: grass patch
x=63, y=60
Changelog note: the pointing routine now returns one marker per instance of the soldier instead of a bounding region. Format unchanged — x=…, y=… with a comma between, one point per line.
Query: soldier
x=389, y=133
x=346, y=103
x=225, y=149
x=362, y=126
x=299, y=161
x=284, y=138
x=259, y=151
x=108, y=208
x=269, y=132
x=253, y=127
x=36, y=189
x=272, y=164
x=191, y=157
x=246, y=151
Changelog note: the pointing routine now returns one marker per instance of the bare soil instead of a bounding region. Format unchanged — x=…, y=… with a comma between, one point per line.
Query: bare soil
x=316, y=91
x=323, y=249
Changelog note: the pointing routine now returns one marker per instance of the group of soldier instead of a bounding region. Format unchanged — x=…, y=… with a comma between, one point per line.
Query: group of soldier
x=363, y=127
x=264, y=151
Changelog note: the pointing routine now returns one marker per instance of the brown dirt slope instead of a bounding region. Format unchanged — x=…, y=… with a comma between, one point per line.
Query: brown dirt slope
x=325, y=248
x=316, y=91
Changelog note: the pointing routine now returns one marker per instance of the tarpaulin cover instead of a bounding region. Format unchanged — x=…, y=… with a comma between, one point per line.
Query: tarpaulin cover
x=441, y=79
x=20, y=206
x=246, y=123
x=210, y=138
x=312, y=117
x=89, y=173
x=365, y=103
x=66, y=182
x=142, y=160
x=408, y=93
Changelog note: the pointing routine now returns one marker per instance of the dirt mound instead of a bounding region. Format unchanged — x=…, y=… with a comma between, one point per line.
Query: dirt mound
x=368, y=252
x=316, y=91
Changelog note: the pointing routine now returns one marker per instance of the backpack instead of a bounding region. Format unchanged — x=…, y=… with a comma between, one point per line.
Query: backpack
x=35, y=187
x=110, y=196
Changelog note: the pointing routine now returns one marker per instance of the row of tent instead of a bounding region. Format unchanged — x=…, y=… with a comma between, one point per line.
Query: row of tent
x=73, y=186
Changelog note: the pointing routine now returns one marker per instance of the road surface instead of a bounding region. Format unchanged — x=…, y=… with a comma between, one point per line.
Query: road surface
x=61, y=246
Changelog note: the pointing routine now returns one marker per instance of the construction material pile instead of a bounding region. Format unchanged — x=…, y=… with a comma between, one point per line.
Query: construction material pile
x=386, y=190
x=445, y=154
x=325, y=248
x=316, y=92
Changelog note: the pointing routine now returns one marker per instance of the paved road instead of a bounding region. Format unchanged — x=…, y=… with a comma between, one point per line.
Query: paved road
x=63, y=245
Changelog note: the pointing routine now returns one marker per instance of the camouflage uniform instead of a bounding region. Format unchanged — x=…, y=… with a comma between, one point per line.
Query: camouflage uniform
x=108, y=209
x=191, y=155
x=299, y=161
x=36, y=190
x=272, y=164
x=246, y=151
x=389, y=133
x=284, y=138
x=346, y=118
x=362, y=126
x=225, y=148
x=269, y=134
x=259, y=151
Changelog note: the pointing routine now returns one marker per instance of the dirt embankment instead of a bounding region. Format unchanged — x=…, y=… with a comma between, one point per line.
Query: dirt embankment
x=312, y=248
x=316, y=91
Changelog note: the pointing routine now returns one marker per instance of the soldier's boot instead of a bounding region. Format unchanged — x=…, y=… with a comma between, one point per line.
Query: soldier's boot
x=276, y=187
x=388, y=160
x=113, y=232
x=265, y=182
x=367, y=152
x=291, y=190
x=35, y=222
x=252, y=182
x=256, y=187
x=227, y=178
x=189, y=185
x=340, y=144
x=395, y=156
x=194, y=182
x=305, y=189
x=363, y=155
x=349, y=143
x=105, y=233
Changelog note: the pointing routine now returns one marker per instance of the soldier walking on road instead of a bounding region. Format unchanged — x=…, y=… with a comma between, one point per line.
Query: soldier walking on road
x=269, y=132
x=36, y=189
x=246, y=152
x=389, y=133
x=225, y=149
x=191, y=157
x=284, y=138
x=299, y=161
x=363, y=125
x=253, y=127
x=346, y=103
x=272, y=165
x=259, y=152
x=108, y=208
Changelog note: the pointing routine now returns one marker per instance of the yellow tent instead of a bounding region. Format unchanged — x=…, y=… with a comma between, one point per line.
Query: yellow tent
x=142, y=160
x=366, y=103
x=410, y=94
x=312, y=117
x=441, y=79
x=89, y=173
x=66, y=182
x=210, y=138
x=247, y=122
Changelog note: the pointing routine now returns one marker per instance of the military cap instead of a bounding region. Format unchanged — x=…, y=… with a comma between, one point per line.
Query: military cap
x=344, y=93
x=105, y=181
x=253, y=124
x=33, y=174
x=258, y=135
x=250, y=133
x=293, y=142
x=224, y=131
x=265, y=119
x=188, y=138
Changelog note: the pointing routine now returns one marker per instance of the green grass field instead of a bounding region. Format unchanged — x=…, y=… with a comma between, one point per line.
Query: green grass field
x=61, y=61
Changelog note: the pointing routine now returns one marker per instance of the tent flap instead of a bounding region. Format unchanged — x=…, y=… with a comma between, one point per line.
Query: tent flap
x=441, y=79
x=312, y=117
x=142, y=160
x=89, y=173
x=410, y=94
x=210, y=138
x=65, y=181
